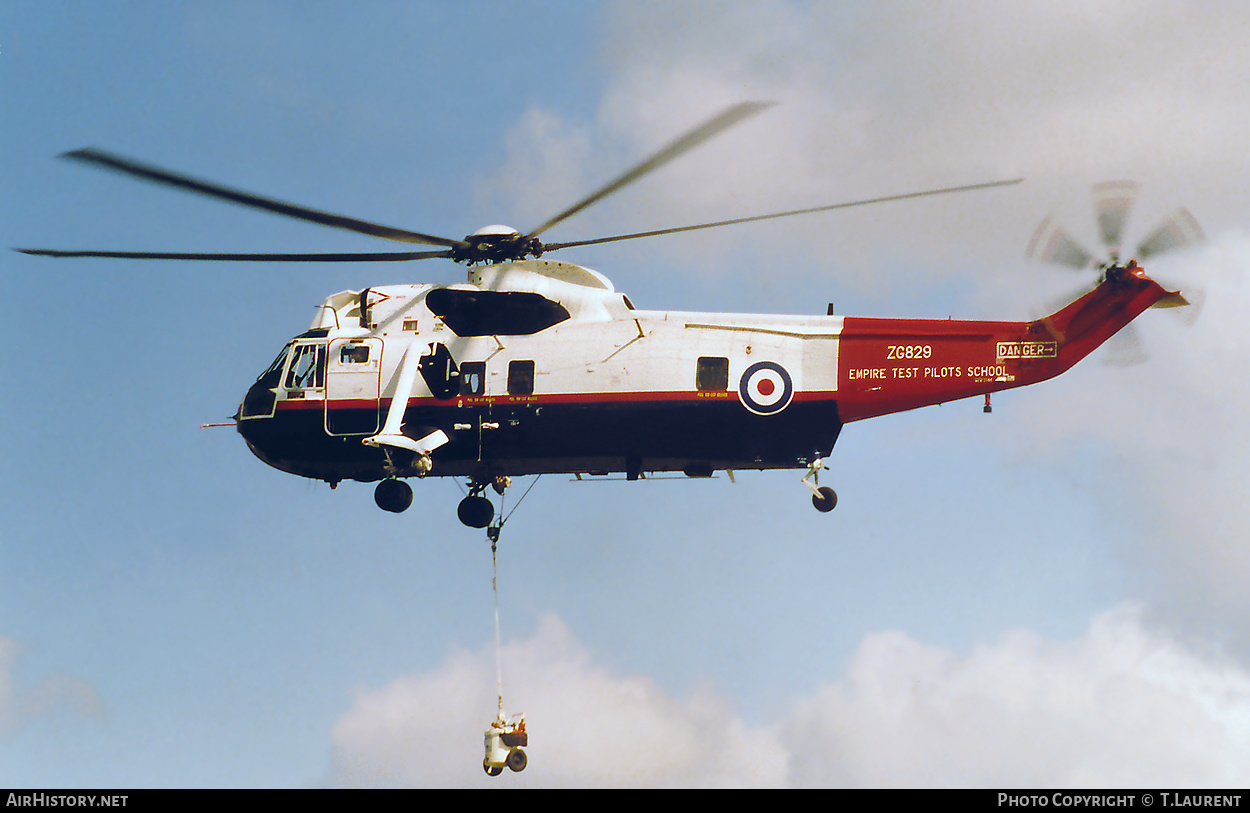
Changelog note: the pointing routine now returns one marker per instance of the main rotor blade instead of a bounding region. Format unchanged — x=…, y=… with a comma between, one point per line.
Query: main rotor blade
x=754, y=218
x=1113, y=200
x=714, y=126
x=271, y=258
x=163, y=176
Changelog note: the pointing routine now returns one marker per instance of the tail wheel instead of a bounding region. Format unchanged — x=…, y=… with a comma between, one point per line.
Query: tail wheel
x=825, y=499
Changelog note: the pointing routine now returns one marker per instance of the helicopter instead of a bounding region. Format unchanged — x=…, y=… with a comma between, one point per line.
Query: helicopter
x=534, y=366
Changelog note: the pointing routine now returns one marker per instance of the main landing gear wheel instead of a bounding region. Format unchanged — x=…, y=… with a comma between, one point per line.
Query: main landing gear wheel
x=486, y=766
x=393, y=495
x=475, y=511
x=517, y=760
x=823, y=497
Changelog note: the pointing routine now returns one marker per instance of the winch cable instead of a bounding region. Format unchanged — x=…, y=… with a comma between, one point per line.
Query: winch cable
x=492, y=533
x=494, y=586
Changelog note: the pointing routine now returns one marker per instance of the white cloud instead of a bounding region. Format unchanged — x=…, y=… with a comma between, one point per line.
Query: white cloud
x=48, y=697
x=1119, y=707
x=547, y=158
x=587, y=726
x=1122, y=706
x=899, y=97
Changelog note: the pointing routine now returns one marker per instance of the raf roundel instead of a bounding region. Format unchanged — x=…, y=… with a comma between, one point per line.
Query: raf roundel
x=765, y=388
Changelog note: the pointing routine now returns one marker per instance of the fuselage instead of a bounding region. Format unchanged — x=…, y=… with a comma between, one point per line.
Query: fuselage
x=538, y=366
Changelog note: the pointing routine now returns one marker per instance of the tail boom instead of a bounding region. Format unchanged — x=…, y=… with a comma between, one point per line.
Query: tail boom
x=892, y=365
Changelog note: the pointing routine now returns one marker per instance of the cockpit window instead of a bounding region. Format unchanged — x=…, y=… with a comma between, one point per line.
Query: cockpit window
x=308, y=367
x=277, y=363
x=262, y=396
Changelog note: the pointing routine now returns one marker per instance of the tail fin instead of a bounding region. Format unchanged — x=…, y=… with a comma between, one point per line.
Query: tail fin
x=1121, y=297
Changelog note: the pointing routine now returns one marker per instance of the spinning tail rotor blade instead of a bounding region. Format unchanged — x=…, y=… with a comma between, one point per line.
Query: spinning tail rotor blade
x=714, y=126
x=1051, y=244
x=1178, y=231
x=1125, y=348
x=1113, y=200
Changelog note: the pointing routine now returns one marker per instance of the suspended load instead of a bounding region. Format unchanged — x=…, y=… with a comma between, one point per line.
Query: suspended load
x=504, y=740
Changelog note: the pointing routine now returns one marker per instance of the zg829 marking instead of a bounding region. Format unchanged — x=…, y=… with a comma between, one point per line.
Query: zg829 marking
x=909, y=351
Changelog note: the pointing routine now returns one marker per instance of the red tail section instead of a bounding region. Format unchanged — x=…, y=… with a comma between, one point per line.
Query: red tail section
x=891, y=365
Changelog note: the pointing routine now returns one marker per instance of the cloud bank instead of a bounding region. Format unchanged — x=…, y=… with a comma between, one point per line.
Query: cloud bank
x=597, y=728
x=1121, y=706
x=894, y=98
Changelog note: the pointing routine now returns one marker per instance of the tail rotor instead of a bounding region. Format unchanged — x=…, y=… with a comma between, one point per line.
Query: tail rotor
x=1113, y=204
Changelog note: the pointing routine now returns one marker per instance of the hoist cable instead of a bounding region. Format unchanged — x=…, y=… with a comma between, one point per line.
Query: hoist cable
x=494, y=584
x=492, y=533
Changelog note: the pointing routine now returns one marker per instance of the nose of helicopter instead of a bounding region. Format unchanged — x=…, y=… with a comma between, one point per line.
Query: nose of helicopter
x=295, y=439
x=249, y=424
x=255, y=416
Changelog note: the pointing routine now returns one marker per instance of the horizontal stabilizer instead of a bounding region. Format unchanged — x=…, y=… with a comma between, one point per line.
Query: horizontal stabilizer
x=1172, y=299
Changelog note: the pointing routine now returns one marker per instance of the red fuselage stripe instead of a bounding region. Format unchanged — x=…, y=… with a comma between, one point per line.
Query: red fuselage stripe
x=550, y=398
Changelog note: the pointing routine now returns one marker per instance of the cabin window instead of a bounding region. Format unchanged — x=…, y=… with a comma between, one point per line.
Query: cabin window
x=712, y=374
x=354, y=354
x=308, y=367
x=473, y=378
x=521, y=378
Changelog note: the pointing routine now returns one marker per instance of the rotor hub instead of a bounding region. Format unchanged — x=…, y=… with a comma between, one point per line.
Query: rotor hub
x=496, y=244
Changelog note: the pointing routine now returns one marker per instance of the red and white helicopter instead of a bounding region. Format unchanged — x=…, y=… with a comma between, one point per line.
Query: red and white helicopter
x=534, y=366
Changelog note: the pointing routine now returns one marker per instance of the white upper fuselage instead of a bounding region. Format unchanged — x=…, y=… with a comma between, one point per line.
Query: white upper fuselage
x=605, y=346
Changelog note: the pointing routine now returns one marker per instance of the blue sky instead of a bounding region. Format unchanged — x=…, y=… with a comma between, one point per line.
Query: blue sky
x=1049, y=595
